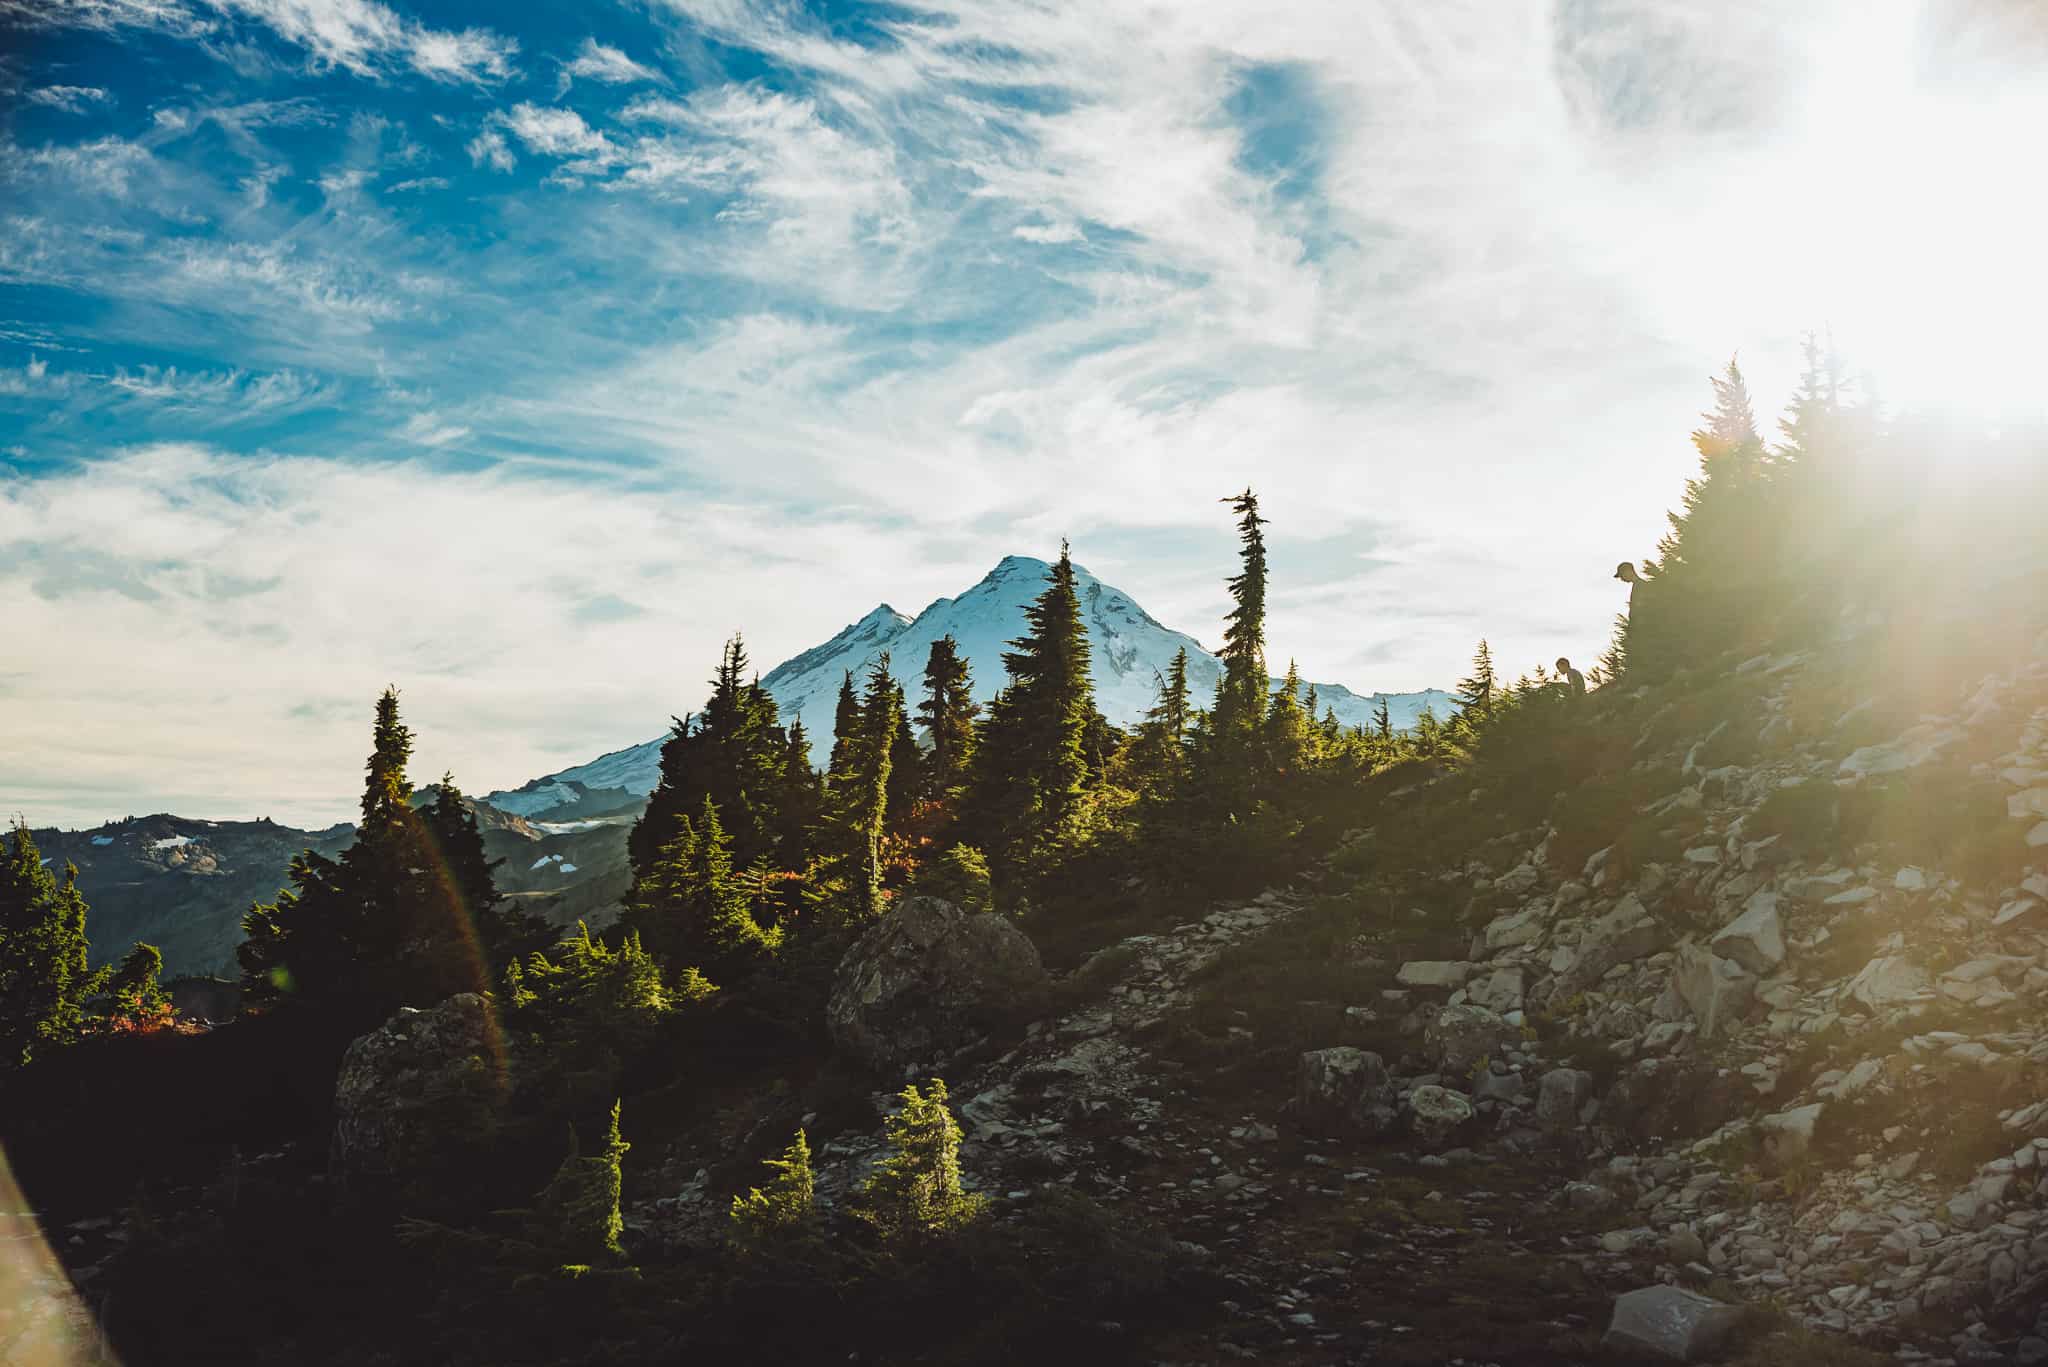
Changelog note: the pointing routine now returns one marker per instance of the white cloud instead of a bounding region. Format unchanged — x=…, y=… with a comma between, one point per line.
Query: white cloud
x=32, y=378
x=72, y=99
x=194, y=565
x=365, y=37
x=425, y=429
x=471, y=55
x=245, y=394
x=1049, y=233
x=105, y=166
x=596, y=62
x=489, y=148
x=172, y=16
x=555, y=132
x=420, y=183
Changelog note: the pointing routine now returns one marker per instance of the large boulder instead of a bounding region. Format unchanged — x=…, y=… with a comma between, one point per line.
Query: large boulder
x=415, y=1097
x=1890, y=980
x=1458, y=1037
x=1623, y=935
x=1344, y=1091
x=1672, y=1324
x=1789, y=1134
x=1561, y=1096
x=1502, y=990
x=1755, y=939
x=1436, y=1113
x=927, y=979
x=1716, y=990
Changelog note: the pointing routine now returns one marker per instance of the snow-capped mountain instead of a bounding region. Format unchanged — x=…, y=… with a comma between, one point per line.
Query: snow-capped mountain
x=1130, y=651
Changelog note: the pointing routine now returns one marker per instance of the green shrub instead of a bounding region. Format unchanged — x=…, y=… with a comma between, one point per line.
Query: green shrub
x=915, y=1193
x=765, y=1220
x=960, y=876
x=579, y=1209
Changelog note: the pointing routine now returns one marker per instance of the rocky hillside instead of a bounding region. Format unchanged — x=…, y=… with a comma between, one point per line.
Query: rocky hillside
x=1757, y=1010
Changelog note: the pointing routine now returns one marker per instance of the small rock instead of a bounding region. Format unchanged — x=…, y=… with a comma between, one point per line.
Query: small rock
x=1435, y=974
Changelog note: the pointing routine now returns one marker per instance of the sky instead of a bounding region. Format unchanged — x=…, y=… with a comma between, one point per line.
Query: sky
x=518, y=355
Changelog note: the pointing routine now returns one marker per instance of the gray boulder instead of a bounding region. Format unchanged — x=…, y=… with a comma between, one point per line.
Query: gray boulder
x=1622, y=936
x=1436, y=1113
x=1458, y=1037
x=1755, y=939
x=1671, y=1324
x=1344, y=1091
x=1789, y=1134
x=926, y=980
x=1433, y=974
x=415, y=1095
x=1716, y=990
x=1889, y=980
x=1502, y=990
x=1561, y=1096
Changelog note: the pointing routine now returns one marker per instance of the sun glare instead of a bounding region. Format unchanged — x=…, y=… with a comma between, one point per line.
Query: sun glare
x=1919, y=211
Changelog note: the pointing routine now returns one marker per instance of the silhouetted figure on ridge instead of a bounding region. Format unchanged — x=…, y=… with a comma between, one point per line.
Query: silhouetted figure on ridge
x=1570, y=677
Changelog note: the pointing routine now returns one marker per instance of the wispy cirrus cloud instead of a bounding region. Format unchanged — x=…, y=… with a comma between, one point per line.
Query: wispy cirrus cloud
x=247, y=395
x=368, y=38
x=594, y=61
x=72, y=99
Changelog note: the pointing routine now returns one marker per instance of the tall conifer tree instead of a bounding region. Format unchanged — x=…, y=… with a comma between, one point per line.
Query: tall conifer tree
x=390, y=923
x=1241, y=693
x=43, y=977
x=947, y=714
x=1033, y=758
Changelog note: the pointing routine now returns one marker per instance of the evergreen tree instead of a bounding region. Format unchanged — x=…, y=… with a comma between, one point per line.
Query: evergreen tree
x=1162, y=749
x=134, y=989
x=947, y=714
x=1032, y=755
x=1476, y=691
x=389, y=923
x=1286, y=727
x=768, y=1220
x=1241, y=693
x=451, y=827
x=1710, y=564
x=693, y=911
x=959, y=875
x=43, y=977
x=1383, y=722
x=906, y=766
x=1808, y=433
x=915, y=1192
x=800, y=802
x=579, y=1208
x=861, y=795
x=845, y=729
x=733, y=753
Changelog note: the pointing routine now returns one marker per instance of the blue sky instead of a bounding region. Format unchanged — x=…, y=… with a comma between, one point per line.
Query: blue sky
x=519, y=354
